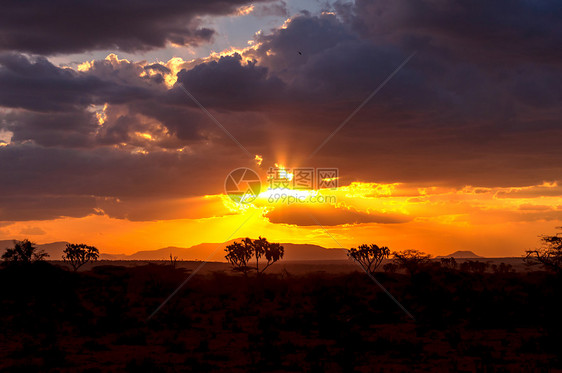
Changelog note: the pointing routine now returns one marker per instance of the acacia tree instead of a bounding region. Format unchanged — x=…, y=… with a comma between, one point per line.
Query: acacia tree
x=450, y=263
x=79, y=254
x=173, y=261
x=411, y=260
x=240, y=254
x=270, y=250
x=390, y=267
x=474, y=266
x=369, y=257
x=549, y=255
x=23, y=252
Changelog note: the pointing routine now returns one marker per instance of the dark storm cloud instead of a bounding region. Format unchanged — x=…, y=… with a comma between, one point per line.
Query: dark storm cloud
x=57, y=182
x=488, y=31
x=157, y=67
x=113, y=172
x=38, y=85
x=62, y=26
x=466, y=110
x=339, y=64
x=72, y=128
x=41, y=207
x=330, y=216
x=53, y=105
x=448, y=117
x=534, y=192
x=232, y=85
x=141, y=209
x=187, y=124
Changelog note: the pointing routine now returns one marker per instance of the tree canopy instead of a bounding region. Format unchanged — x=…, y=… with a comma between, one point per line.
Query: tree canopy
x=23, y=252
x=240, y=254
x=369, y=256
x=549, y=255
x=79, y=254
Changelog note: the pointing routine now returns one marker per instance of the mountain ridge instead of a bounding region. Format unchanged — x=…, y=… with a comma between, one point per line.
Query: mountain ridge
x=207, y=251
x=461, y=254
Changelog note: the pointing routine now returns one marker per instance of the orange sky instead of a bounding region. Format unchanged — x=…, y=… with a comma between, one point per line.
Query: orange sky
x=445, y=130
x=488, y=221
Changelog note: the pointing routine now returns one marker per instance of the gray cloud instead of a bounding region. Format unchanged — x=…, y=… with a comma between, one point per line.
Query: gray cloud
x=68, y=26
x=230, y=84
x=34, y=231
x=464, y=111
x=330, y=216
x=278, y=9
x=21, y=207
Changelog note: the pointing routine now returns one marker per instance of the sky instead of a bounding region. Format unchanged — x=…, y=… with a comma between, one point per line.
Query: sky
x=120, y=122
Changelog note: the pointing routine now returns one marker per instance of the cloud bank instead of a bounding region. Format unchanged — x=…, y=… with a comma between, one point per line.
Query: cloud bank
x=478, y=105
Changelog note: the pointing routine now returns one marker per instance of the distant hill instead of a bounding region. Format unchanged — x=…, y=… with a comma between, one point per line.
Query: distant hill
x=4, y=244
x=460, y=255
x=197, y=252
x=54, y=249
x=293, y=252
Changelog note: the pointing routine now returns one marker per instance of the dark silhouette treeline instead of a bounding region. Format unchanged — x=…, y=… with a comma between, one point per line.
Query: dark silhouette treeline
x=467, y=319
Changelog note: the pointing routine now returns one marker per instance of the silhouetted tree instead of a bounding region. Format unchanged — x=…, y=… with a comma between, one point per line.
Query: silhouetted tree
x=474, y=266
x=502, y=268
x=411, y=260
x=369, y=257
x=239, y=254
x=272, y=252
x=173, y=261
x=549, y=255
x=78, y=254
x=390, y=267
x=450, y=263
x=23, y=252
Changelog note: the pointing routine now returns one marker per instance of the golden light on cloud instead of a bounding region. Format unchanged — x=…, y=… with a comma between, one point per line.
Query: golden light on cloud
x=282, y=173
x=245, y=10
x=102, y=116
x=286, y=23
x=433, y=219
x=146, y=136
x=5, y=137
x=112, y=57
x=175, y=64
x=245, y=53
x=399, y=207
x=85, y=66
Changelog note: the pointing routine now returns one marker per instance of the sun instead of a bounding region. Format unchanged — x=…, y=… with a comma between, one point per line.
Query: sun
x=281, y=188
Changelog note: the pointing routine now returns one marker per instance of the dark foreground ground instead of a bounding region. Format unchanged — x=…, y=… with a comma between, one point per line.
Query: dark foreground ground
x=54, y=320
x=293, y=267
